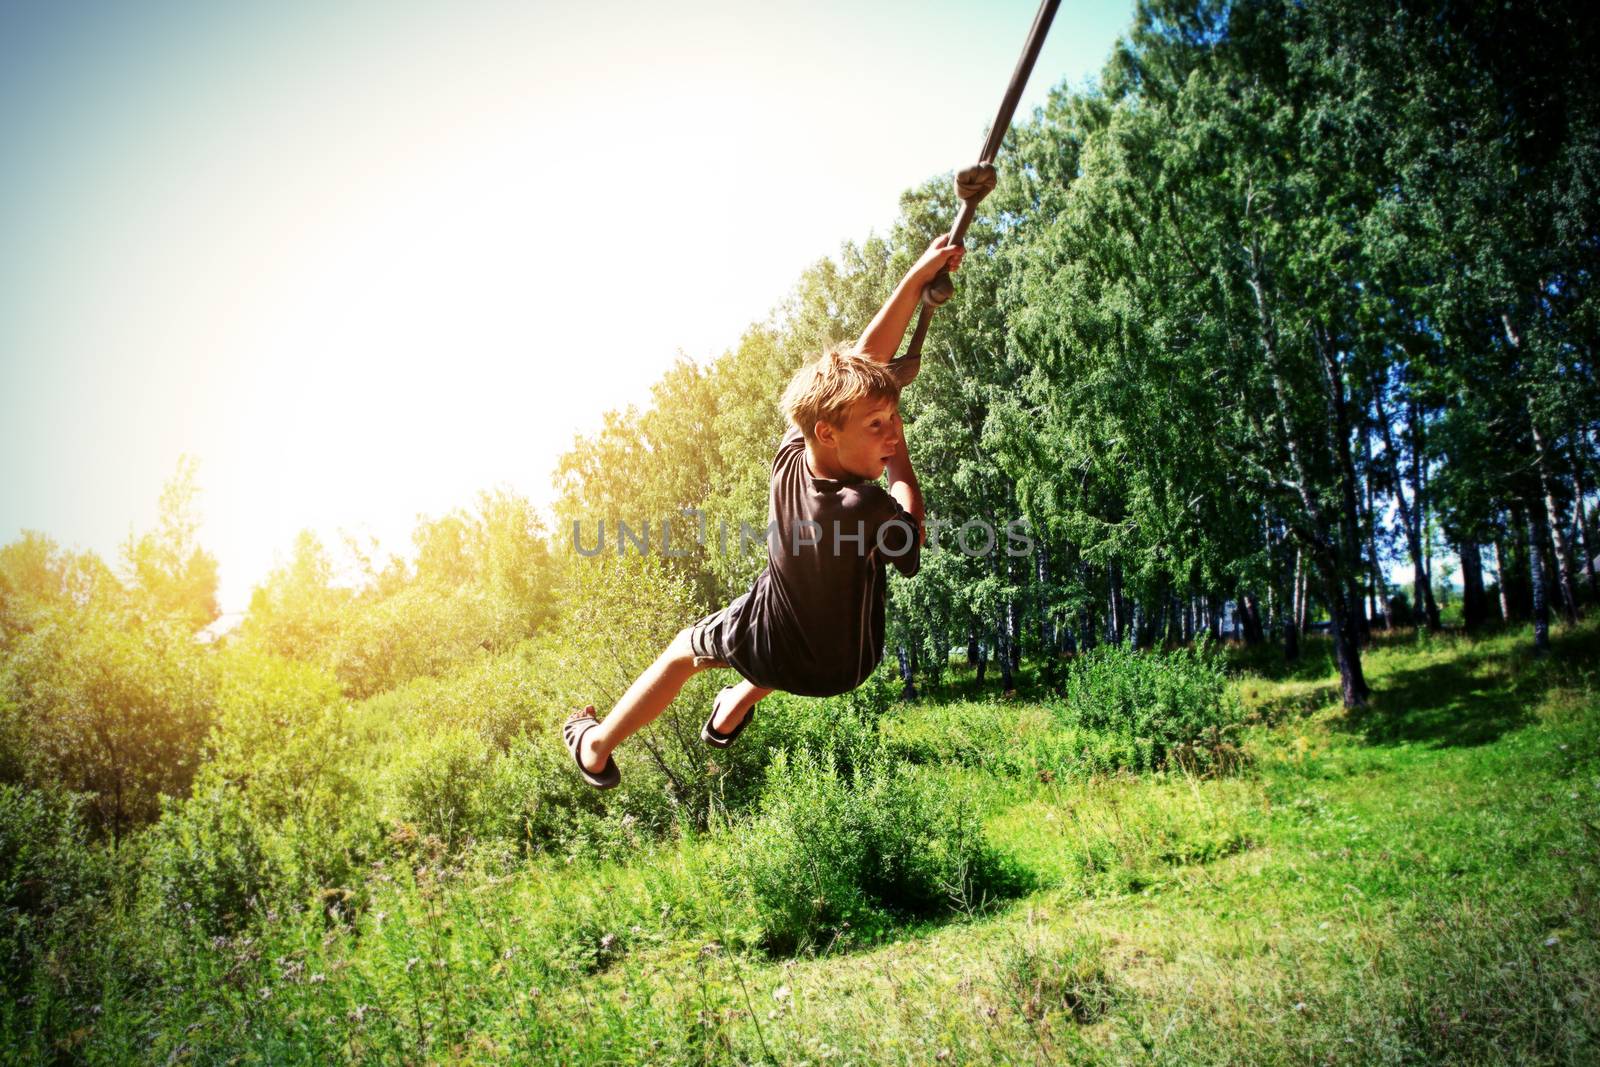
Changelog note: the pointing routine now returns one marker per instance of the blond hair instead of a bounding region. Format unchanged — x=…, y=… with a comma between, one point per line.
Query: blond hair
x=825, y=390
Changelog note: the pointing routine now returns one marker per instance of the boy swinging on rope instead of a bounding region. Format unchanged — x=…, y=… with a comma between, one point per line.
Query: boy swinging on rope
x=813, y=622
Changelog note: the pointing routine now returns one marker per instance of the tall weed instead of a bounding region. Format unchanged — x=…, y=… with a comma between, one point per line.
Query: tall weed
x=1164, y=699
x=829, y=858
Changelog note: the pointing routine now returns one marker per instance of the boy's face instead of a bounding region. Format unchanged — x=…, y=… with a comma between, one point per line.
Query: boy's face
x=869, y=437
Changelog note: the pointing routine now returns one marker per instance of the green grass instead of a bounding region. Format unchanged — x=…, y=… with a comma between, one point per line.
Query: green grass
x=1416, y=883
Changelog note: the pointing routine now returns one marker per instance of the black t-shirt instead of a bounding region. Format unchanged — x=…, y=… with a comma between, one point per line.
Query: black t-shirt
x=813, y=622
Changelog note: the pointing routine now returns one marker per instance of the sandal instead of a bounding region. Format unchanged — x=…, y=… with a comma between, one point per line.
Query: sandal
x=573, y=730
x=711, y=736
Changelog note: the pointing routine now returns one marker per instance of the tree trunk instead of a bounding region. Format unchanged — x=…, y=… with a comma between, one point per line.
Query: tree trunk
x=1541, y=606
x=1251, y=613
x=1302, y=609
x=1047, y=623
x=1585, y=527
x=1350, y=544
x=1419, y=482
x=1518, y=578
x=1289, y=609
x=908, y=691
x=1376, y=579
x=1346, y=639
x=1552, y=509
x=1504, y=577
x=1315, y=533
x=1410, y=517
x=1474, y=607
x=1567, y=591
x=1002, y=655
x=1114, y=602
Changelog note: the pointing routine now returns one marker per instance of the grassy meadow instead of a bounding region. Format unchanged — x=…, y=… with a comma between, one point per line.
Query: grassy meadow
x=963, y=879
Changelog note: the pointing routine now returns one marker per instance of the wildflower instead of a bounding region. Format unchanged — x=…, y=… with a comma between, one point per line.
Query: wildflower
x=266, y=993
x=781, y=994
x=1299, y=1005
x=607, y=941
x=317, y=978
x=412, y=962
x=506, y=955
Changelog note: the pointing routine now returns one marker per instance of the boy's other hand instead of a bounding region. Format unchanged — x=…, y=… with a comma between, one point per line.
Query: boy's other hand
x=941, y=255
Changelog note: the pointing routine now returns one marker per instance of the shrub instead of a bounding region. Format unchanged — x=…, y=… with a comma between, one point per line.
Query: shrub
x=46, y=866
x=828, y=858
x=532, y=798
x=423, y=629
x=289, y=743
x=439, y=783
x=1163, y=699
x=116, y=707
x=209, y=865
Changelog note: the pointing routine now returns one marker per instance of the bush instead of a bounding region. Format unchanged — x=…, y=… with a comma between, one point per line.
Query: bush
x=290, y=745
x=113, y=706
x=829, y=859
x=439, y=784
x=209, y=865
x=46, y=866
x=424, y=629
x=1162, y=699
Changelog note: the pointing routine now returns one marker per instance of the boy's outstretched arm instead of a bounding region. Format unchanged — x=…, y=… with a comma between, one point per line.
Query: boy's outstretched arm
x=903, y=483
x=881, y=339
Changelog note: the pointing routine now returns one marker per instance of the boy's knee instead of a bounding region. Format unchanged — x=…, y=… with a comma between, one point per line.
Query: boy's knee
x=683, y=651
x=682, y=645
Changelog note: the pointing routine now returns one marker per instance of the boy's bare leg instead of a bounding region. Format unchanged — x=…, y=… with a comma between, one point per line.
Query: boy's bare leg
x=744, y=697
x=646, y=698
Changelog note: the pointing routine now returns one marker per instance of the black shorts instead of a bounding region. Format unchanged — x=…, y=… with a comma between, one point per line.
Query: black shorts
x=707, y=638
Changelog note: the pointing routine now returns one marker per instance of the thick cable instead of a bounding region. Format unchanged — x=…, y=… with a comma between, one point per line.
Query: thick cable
x=974, y=183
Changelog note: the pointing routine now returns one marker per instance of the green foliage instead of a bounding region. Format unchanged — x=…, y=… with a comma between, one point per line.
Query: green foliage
x=295, y=753
x=115, y=709
x=423, y=629
x=210, y=866
x=39, y=580
x=296, y=611
x=170, y=574
x=438, y=784
x=482, y=581
x=829, y=857
x=46, y=869
x=1279, y=259
x=1156, y=699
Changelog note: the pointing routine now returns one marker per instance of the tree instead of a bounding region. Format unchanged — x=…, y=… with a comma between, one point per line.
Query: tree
x=169, y=573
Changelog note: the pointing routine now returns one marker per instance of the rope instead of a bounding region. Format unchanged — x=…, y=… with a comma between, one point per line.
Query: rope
x=973, y=184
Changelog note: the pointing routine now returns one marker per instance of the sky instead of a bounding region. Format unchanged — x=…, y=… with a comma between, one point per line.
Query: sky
x=363, y=260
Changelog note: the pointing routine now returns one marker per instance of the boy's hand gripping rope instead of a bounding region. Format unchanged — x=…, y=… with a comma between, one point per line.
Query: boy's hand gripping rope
x=973, y=184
